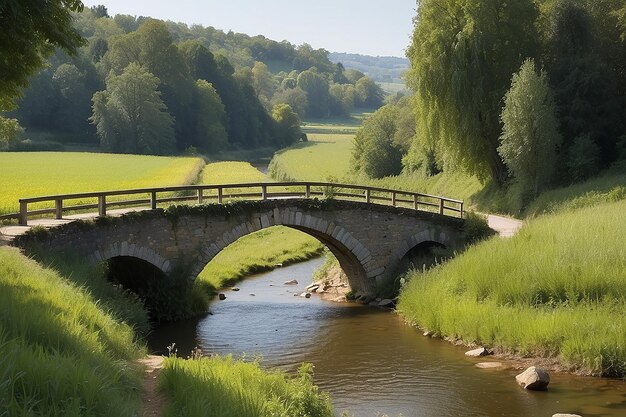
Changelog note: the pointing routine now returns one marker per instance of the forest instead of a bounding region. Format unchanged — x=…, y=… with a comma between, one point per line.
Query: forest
x=145, y=86
x=526, y=95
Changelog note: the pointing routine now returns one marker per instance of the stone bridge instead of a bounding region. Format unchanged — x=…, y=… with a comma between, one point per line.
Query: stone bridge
x=369, y=240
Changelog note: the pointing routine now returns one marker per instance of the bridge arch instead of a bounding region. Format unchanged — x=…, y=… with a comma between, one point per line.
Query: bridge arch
x=353, y=256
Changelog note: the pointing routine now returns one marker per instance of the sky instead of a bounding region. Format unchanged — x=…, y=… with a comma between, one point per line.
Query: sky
x=356, y=26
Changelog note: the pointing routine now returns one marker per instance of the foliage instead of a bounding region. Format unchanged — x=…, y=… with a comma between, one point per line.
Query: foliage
x=583, y=158
x=31, y=30
x=375, y=153
x=130, y=116
x=43, y=173
x=462, y=56
x=530, y=135
x=230, y=387
x=556, y=289
x=61, y=353
x=210, y=117
x=287, y=124
x=10, y=129
x=476, y=228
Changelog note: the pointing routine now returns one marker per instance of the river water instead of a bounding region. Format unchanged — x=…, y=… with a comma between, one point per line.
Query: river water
x=371, y=362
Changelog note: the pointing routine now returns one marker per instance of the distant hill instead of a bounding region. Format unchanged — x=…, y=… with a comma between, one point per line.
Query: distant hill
x=384, y=69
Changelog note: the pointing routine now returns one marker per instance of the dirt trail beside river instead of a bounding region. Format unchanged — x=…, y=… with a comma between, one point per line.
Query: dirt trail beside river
x=153, y=400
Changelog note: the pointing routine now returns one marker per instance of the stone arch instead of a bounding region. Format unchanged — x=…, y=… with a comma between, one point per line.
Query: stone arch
x=124, y=249
x=354, y=257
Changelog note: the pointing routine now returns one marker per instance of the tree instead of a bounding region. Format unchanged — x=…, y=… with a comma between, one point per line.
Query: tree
x=130, y=116
x=31, y=29
x=295, y=97
x=209, y=131
x=462, y=55
x=316, y=88
x=10, y=129
x=288, y=124
x=530, y=135
x=375, y=154
x=368, y=93
x=263, y=81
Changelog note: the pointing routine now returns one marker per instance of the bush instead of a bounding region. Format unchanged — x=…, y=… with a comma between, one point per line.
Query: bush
x=476, y=228
x=583, y=158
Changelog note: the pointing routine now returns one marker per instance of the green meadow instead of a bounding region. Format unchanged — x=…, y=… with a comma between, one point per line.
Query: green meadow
x=32, y=174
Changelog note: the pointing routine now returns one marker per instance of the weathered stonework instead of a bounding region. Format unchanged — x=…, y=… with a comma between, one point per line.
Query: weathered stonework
x=368, y=240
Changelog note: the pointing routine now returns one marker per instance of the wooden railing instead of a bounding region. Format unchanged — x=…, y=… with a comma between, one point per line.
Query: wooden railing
x=219, y=193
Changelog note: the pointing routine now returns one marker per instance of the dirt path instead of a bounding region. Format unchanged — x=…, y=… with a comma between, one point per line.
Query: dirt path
x=505, y=226
x=153, y=400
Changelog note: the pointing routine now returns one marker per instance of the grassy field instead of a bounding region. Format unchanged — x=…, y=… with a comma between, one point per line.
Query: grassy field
x=230, y=388
x=324, y=156
x=557, y=290
x=231, y=172
x=61, y=352
x=31, y=174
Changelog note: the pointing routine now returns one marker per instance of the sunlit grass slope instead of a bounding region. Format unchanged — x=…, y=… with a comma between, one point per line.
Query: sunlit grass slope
x=224, y=387
x=257, y=252
x=231, y=172
x=61, y=353
x=324, y=156
x=557, y=289
x=31, y=174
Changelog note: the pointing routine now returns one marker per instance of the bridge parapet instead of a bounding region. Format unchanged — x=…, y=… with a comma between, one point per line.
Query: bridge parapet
x=154, y=197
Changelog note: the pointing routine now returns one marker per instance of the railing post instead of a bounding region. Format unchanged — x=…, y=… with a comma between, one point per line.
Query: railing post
x=393, y=199
x=367, y=196
x=58, y=208
x=415, y=205
x=23, y=220
x=441, y=206
x=462, y=214
x=200, y=196
x=219, y=195
x=307, y=191
x=264, y=192
x=102, y=205
x=153, y=200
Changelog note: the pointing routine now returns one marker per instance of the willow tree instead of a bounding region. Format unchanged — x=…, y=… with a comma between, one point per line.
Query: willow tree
x=462, y=56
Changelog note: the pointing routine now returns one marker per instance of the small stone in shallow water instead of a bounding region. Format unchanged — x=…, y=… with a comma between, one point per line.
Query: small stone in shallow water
x=489, y=365
x=252, y=294
x=478, y=352
x=291, y=282
x=533, y=378
x=222, y=296
x=234, y=289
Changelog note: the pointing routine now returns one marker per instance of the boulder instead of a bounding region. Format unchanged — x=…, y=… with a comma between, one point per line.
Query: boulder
x=533, y=378
x=385, y=303
x=481, y=351
x=291, y=282
x=234, y=289
x=312, y=288
x=221, y=296
x=308, y=295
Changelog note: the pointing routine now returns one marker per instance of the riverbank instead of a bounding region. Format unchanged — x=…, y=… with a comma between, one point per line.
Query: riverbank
x=555, y=291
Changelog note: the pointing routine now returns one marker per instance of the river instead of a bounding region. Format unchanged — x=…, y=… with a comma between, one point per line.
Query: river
x=369, y=360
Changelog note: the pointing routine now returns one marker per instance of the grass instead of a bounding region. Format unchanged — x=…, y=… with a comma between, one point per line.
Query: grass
x=31, y=174
x=61, y=352
x=231, y=172
x=557, y=290
x=324, y=156
x=233, y=388
x=257, y=252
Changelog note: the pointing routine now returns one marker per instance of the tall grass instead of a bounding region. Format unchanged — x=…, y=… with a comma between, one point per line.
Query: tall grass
x=223, y=387
x=557, y=289
x=60, y=352
x=31, y=174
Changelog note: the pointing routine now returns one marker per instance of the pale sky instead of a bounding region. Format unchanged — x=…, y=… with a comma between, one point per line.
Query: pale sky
x=357, y=26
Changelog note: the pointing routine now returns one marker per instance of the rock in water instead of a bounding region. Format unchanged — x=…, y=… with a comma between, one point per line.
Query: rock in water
x=533, y=378
x=222, y=296
x=291, y=282
x=385, y=303
x=478, y=352
x=234, y=289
